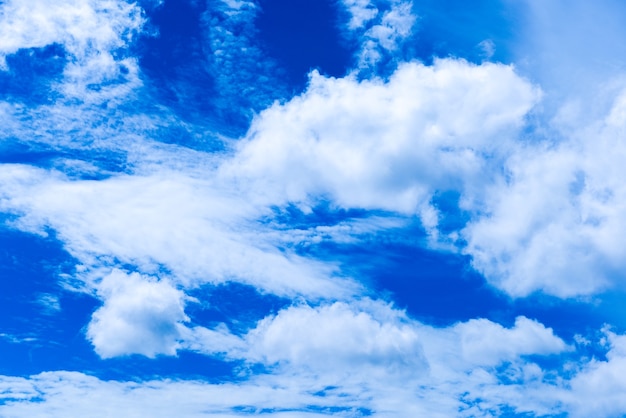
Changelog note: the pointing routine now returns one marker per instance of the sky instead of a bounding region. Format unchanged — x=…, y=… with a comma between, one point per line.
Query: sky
x=312, y=208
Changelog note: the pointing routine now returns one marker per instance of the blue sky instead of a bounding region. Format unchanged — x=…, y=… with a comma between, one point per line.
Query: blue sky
x=303, y=208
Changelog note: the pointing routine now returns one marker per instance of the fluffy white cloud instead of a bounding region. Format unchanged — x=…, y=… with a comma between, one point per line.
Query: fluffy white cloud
x=383, y=145
x=552, y=222
x=368, y=350
x=480, y=342
x=340, y=338
x=555, y=224
x=144, y=315
x=140, y=315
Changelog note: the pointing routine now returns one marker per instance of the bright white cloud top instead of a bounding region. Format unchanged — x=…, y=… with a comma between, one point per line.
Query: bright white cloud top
x=225, y=240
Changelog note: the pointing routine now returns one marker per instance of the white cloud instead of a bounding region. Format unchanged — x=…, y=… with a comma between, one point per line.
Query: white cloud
x=363, y=356
x=90, y=31
x=342, y=339
x=200, y=225
x=480, y=342
x=70, y=395
x=395, y=25
x=139, y=316
x=551, y=223
x=395, y=366
x=554, y=225
x=191, y=226
x=383, y=145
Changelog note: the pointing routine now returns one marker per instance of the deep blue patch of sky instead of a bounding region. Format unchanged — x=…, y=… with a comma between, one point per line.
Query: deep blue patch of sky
x=29, y=267
x=303, y=35
x=40, y=155
x=14, y=152
x=237, y=305
x=172, y=58
x=30, y=73
x=217, y=89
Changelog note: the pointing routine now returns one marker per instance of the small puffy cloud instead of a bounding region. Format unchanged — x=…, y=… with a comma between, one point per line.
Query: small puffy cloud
x=339, y=338
x=487, y=48
x=487, y=343
x=140, y=315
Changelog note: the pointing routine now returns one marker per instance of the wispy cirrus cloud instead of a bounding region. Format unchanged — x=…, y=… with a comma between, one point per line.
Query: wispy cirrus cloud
x=382, y=29
x=91, y=33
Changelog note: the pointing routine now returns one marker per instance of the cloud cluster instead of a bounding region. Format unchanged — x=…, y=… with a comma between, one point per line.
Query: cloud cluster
x=491, y=378
x=543, y=214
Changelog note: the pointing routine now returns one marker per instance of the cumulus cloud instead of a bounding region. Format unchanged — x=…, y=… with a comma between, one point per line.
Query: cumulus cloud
x=554, y=225
x=480, y=342
x=395, y=142
x=340, y=338
x=139, y=316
